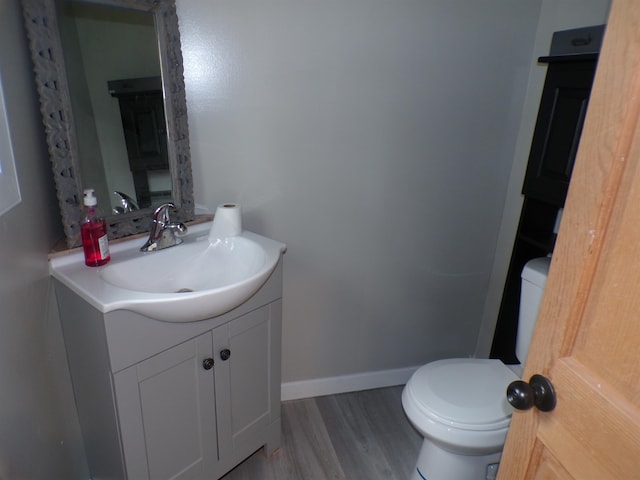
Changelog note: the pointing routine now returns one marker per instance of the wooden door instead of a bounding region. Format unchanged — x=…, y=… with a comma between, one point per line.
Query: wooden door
x=587, y=341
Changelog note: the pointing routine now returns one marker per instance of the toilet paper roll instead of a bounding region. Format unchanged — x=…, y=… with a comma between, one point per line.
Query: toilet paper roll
x=227, y=222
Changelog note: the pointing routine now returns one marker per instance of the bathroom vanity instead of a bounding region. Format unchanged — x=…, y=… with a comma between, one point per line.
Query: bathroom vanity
x=174, y=400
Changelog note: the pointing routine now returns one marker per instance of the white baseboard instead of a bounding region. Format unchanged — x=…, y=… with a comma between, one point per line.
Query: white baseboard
x=318, y=387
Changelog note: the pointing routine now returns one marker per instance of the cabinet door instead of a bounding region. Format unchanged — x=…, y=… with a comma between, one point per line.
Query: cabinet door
x=557, y=133
x=248, y=383
x=166, y=409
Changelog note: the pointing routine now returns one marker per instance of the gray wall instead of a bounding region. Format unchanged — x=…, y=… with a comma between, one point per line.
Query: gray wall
x=39, y=435
x=376, y=139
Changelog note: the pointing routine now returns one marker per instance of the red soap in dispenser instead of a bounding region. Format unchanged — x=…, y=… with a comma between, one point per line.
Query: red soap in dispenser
x=94, y=233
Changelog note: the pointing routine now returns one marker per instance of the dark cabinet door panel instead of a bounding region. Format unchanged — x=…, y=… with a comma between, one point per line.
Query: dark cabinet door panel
x=557, y=134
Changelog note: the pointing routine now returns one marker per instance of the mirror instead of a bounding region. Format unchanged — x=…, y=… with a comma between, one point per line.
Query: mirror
x=110, y=80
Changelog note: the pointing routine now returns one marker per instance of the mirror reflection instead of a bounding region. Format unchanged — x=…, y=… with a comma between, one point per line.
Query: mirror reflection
x=113, y=70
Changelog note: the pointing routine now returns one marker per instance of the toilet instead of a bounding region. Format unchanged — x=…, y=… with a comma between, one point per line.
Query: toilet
x=460, y=406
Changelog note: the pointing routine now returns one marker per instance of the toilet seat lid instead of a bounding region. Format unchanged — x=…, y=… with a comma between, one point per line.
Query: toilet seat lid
x=467, y=393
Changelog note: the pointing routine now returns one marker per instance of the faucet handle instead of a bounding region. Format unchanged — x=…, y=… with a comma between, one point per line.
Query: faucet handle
x=162, y=233
x=161, y=213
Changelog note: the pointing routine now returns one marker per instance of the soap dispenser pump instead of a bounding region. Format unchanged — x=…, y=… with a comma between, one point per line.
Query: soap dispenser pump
x=94, y=232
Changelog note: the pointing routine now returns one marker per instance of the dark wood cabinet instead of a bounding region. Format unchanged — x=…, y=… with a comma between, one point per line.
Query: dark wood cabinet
x=145, y=132
x=560, y=119
x=554, y=146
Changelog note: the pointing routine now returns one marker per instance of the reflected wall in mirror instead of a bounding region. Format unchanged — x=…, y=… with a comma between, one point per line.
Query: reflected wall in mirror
x=113, y=69
x=109, y=76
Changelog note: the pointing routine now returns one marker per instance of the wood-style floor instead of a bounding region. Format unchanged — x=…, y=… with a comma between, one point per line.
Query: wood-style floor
x=352, y=436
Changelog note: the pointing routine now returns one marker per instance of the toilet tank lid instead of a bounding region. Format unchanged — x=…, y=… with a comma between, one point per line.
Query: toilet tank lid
x=536, y=271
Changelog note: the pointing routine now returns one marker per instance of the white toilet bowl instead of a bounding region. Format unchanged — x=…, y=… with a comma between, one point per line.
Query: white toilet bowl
x=460, y=405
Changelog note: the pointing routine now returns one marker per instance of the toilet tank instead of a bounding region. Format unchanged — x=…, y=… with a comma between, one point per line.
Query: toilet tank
x=534, y=277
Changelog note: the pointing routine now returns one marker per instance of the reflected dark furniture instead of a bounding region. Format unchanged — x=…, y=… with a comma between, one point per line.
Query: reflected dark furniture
x=145, y=132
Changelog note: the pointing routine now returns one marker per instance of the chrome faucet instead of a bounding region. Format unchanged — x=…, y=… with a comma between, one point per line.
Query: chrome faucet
x=163, y=232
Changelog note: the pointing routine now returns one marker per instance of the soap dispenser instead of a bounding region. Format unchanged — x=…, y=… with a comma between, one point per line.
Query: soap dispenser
x=94, y=232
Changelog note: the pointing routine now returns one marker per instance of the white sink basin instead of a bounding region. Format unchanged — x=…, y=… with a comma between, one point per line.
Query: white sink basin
x=189, y=282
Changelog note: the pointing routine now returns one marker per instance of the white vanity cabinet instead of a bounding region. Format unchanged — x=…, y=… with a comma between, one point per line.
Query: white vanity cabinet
x=161, y=400
x=167, y=413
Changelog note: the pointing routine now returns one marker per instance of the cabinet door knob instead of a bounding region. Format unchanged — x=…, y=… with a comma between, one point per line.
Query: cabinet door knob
x=207, y=363
x=225, y=354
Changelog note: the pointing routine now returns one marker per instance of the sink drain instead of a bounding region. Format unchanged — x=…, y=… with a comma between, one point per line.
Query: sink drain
x=184, y=290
